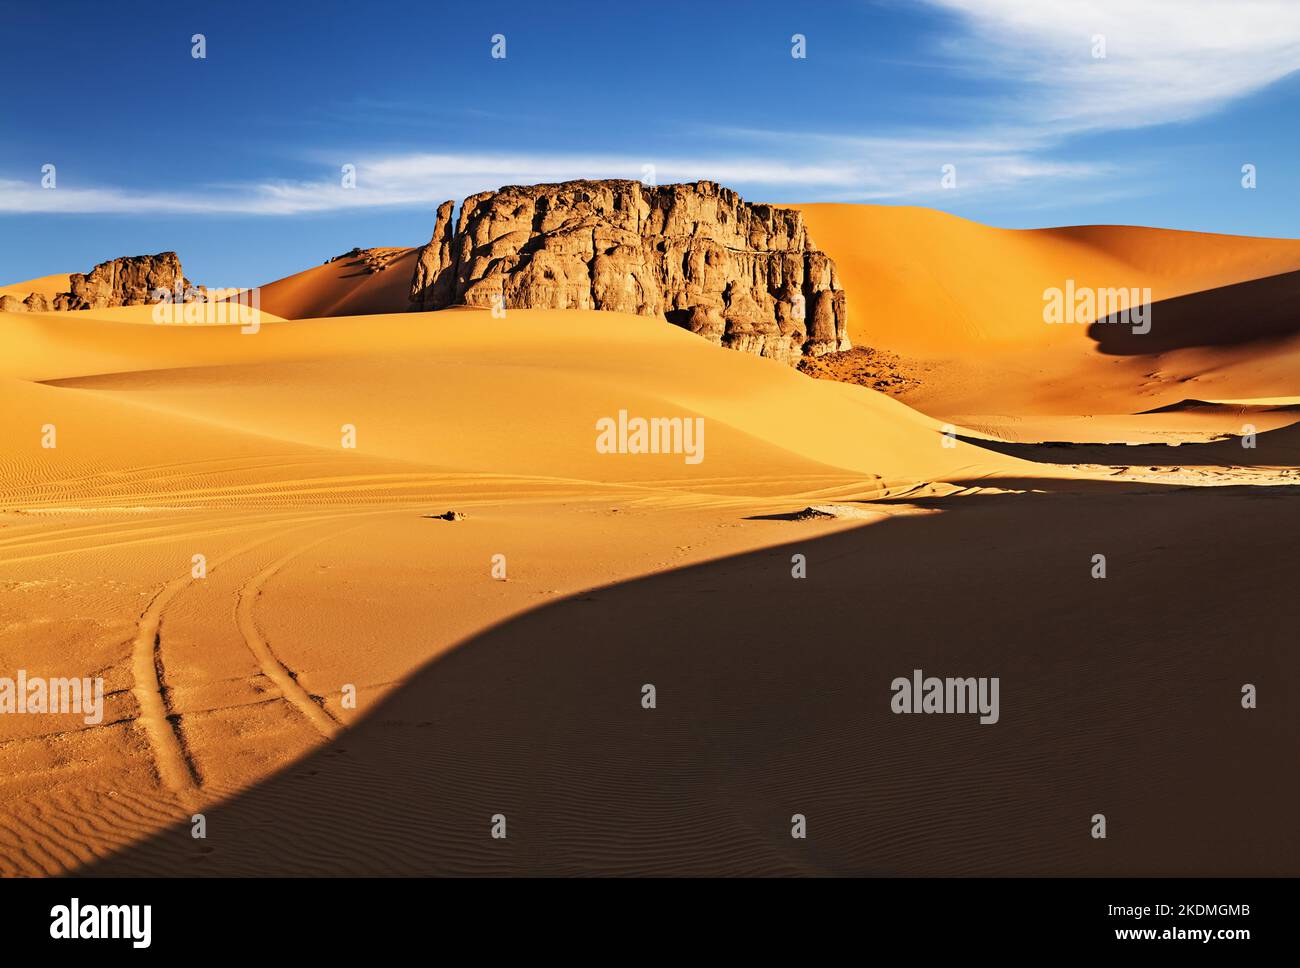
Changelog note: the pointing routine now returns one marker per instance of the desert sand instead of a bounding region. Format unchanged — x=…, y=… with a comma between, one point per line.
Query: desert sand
x=48, y=286
x=962, y=304
x=345, y=287
x=978, y=500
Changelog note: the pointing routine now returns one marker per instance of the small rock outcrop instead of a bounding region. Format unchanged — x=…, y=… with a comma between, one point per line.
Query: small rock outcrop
x=129, y=281
x=743, y=276
x=818, y=511
x=35, y=302
x=368, y=261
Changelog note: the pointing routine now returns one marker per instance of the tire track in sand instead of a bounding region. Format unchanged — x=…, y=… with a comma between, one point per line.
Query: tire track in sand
x=175, y=767
x=275, y=670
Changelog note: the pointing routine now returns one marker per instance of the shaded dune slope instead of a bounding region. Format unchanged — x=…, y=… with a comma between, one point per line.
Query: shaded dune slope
x=1265, y=309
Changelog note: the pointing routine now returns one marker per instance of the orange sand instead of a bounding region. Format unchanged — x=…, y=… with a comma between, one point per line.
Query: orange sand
x=326, y=576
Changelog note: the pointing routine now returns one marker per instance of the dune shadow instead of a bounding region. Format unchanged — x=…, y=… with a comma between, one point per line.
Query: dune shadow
x=772, y=698
x=1191, y=404
x=1269, y=448
x=1259, y=309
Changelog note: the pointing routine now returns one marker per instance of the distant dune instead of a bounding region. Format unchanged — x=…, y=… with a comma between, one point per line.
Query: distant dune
x=458, y=390
x=48, y=286
x=963, y=304
x=345, y=287
x=924, y=282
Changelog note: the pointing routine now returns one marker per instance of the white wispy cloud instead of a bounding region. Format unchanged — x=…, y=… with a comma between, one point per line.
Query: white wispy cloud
x=406, y=180
x=1165, y=60
x=911, y=166
x=833, y=168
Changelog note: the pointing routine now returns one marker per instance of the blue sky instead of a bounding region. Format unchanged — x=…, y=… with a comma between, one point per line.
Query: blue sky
x=234, y=160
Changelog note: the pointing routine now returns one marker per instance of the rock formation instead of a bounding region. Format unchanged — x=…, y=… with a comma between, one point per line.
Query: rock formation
x=368, y=261
x=34, y=303
x=744, y=276
x=129, y=281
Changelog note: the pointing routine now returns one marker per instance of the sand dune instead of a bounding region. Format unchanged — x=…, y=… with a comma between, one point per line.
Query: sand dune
x=1258, y=311
x=1105, y=707
x=345, y=287
x=963, y=304
x=1278, y=405
x=497, y=660
x=48, y=286
x=924, y=282
x=463, y=391
x=178, y=440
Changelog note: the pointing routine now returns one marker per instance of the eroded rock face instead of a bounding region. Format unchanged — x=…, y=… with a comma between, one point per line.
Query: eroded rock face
x=744, y=276
x=34, y=303
x=129, y=281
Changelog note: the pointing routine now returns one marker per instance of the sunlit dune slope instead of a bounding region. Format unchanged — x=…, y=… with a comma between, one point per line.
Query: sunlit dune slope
x=966, y=301
x=925, y=282
x=963, y=303
x=960, y=301
x=344, y=287
x=456, y=391
x=48, y=286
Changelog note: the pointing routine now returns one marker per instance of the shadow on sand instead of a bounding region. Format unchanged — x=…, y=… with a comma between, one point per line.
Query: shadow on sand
x=1272, y=448
x=1119, y=696
x=1259, y=309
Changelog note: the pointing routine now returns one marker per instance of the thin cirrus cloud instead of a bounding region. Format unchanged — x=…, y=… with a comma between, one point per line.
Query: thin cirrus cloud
x=844, y=170
x=911, y=166
x=404, y=180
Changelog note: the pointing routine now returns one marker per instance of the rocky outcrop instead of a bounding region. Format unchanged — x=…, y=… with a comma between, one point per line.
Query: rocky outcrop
x=434, y=284
x=130, y=281
x=34, y=303
x=368, y=261
x=744, y=276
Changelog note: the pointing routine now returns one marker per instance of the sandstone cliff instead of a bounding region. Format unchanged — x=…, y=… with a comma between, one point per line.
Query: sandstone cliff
x=129, y=281
x=745, y=276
